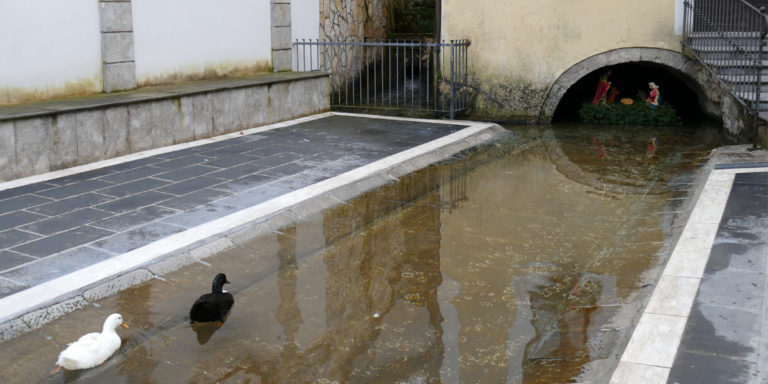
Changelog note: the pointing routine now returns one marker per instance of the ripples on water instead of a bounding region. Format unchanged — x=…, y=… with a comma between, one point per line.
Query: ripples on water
x=523, y=262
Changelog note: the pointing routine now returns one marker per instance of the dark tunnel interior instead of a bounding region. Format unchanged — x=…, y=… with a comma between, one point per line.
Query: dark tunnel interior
x=631, y=79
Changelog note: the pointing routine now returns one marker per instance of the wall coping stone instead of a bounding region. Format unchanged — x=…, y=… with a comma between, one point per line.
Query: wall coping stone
x=144, y=94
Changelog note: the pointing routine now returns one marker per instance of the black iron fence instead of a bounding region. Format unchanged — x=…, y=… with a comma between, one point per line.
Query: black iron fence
x=729, y=38
x=415, y=76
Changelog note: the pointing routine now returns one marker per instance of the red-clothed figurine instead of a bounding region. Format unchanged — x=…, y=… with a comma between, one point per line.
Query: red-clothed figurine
x=602, y=88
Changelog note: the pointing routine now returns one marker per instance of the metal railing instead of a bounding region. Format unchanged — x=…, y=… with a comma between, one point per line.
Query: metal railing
x=729, y=38
x=396, y=76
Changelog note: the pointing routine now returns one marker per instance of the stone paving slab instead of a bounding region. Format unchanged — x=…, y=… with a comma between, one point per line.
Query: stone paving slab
x=74, y=230
x=706, y=321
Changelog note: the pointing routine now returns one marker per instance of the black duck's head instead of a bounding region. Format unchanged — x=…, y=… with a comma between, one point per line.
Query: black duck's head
x=218, y=282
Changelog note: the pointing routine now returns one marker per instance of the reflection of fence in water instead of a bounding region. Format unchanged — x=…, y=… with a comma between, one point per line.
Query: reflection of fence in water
x=448, y=181
x=396, y=75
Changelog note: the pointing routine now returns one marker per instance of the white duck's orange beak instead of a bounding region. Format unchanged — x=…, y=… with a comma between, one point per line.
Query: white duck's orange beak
x=124, y=325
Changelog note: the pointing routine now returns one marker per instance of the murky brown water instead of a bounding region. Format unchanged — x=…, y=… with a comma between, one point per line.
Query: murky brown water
x=526, y=262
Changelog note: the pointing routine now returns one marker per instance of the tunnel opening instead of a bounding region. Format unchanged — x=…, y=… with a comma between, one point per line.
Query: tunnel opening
x=631, y=80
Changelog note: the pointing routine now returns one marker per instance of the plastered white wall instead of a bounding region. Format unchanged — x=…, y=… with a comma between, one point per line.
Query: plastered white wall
x=48, y=48
x=305, y=24
x=189, y=39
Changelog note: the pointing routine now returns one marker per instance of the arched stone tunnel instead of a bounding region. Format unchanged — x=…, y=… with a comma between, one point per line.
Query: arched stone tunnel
x=684, y=83
x=631, y=81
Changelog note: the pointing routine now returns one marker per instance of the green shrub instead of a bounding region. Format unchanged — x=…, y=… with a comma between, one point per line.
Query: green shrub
x=633, y=114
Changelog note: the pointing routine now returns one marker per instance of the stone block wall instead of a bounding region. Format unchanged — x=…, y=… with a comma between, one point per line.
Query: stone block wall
x=359, y=20
x=50, y=142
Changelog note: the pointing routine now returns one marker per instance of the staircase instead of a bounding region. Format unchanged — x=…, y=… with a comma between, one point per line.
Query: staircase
x=729, y=38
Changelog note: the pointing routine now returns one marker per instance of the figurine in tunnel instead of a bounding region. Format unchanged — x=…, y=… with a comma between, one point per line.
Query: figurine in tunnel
x=654, y=98
x=214, y=306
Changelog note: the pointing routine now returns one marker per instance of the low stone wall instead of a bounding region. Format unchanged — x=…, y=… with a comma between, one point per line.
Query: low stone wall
x=35, y=143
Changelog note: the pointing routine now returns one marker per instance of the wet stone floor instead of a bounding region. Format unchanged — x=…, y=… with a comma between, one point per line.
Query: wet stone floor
x=524, y=262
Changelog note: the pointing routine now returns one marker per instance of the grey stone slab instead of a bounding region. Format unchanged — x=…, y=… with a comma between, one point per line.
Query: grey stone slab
x=736, y=255
x=135, y=164
x=751, y=178
x=750, y=230
x=75, y=189
x=80, y=177
x=18, y=218
x=137, y=237
x=256, y=105
x=724, y=331
x=140, y=127
x=7, y=151
x=191, y=185
x=238, y=99
x=286, y=170
x=181, y=162
x=14, y=237
x=134, y=187
x=696, y=368
x=134, y=201
x=238, y=171
x=132, y=219
x=281, y=39
x=226, y=162
x=116, y=17
x=279, y=159
x=166, y=123
x=63, y=241
x=133, y=174
x=195, y=199
x=23, y=190
x=66, y=221
x=244, y=183
x=63, y=137
x=280, y=15
x=747, y=200
x=63, y=206
x=186, y=173
x=117, y=47
x=202, y=119
x=200, y=215
x=116, y=122
x=33, y=145
x=51, y=267
x=10, y=260
x=271, y=190
x=22, y=202
x=268, y=149
x=223, y=121
x=733, y=288
x=8, y=287
x=90, y=136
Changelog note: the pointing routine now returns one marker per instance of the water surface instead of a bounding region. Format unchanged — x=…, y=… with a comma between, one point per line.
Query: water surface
x=525, y=262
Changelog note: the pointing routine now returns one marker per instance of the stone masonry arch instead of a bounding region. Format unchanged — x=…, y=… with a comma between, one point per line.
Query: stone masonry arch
x=713, y=99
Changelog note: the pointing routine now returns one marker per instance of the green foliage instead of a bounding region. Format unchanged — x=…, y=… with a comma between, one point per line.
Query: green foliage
x=411, y=16
x=634, y=114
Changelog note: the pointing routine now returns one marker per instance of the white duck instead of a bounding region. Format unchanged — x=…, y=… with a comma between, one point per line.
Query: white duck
x=92, y=349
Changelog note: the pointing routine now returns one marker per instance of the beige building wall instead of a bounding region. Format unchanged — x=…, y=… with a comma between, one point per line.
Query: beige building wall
x=520, y=47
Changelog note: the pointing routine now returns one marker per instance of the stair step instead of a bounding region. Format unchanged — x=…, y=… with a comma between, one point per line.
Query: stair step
x=725, y=48
x=734, y=63
x=740, y=79
x=716, y=35
x=750, y=96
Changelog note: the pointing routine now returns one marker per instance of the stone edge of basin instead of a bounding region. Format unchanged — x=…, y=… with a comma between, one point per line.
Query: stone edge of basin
x=194, y=245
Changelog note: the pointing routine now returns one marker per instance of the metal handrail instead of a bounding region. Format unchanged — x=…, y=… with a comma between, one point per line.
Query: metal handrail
x=394, y=75
x=734, y=37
